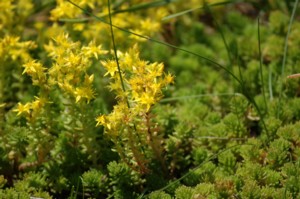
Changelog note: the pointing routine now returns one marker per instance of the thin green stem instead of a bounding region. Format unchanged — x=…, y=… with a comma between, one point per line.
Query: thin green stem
x=207, y=7
x=252, y=101
x=115, y=50
x=270, y=83
x=260, y=64
x=250, y=97
x=198, y=96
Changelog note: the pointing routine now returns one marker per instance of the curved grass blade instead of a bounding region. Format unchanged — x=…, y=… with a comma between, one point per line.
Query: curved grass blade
x=115, y=50
x=198, y=96
x=158, y=41
x=207, y=8
x=76, y=20
x=270, y=82
x=248, y=95
x=260, y=64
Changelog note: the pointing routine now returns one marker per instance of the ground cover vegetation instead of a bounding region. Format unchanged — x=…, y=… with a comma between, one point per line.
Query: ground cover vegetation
x=149, y=99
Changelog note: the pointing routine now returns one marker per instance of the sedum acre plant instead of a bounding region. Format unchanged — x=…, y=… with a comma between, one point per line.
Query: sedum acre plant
x=138, y=86
x=68, y=72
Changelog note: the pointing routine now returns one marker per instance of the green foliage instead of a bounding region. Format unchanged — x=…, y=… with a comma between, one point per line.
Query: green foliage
x=203, y=174
x=12, y=193
x=31, y=186
x=94, y=182
x=225, y=129
x=278, y=152
x=183, y=192
x=2, y=181
x=278, y=21
x=159, y=195
x=123, y=182
x=204, y=190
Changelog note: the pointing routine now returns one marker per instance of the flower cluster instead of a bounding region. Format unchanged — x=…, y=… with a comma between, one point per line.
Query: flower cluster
x=31, y=109
x=36, y=71
x=13, y=53
x=6, y=8
x=146, y=23
x=13, y=13
x=68, y=72
x=11, y=47
x=65, y=10
x=69, y=69
x=138, y=86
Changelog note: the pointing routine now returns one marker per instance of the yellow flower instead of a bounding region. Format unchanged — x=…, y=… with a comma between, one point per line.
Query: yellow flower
x=36, y=71
x=14, y=49
x=65, y=86
x=169, y=79
x=92, y=49
x=69, y=69
x=111, y=67
x=84, y=92
x=114, y=86
x=101, y=120
x=150, y=25
x=33, y=67
x=79, y=26
x=147, y=99
x=155, y=87
x=38, y=103
x=6, y=5
x=88, y=80
x=23, y=108
x=139, y=32
x=73, y=60
x=143, y=84
x=64, y=9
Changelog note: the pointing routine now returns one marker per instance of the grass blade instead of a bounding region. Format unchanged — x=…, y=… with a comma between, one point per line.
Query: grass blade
x=270, y=82
x=115, y=49
x=207, y=8
x=198, y=96
x=260, y=64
